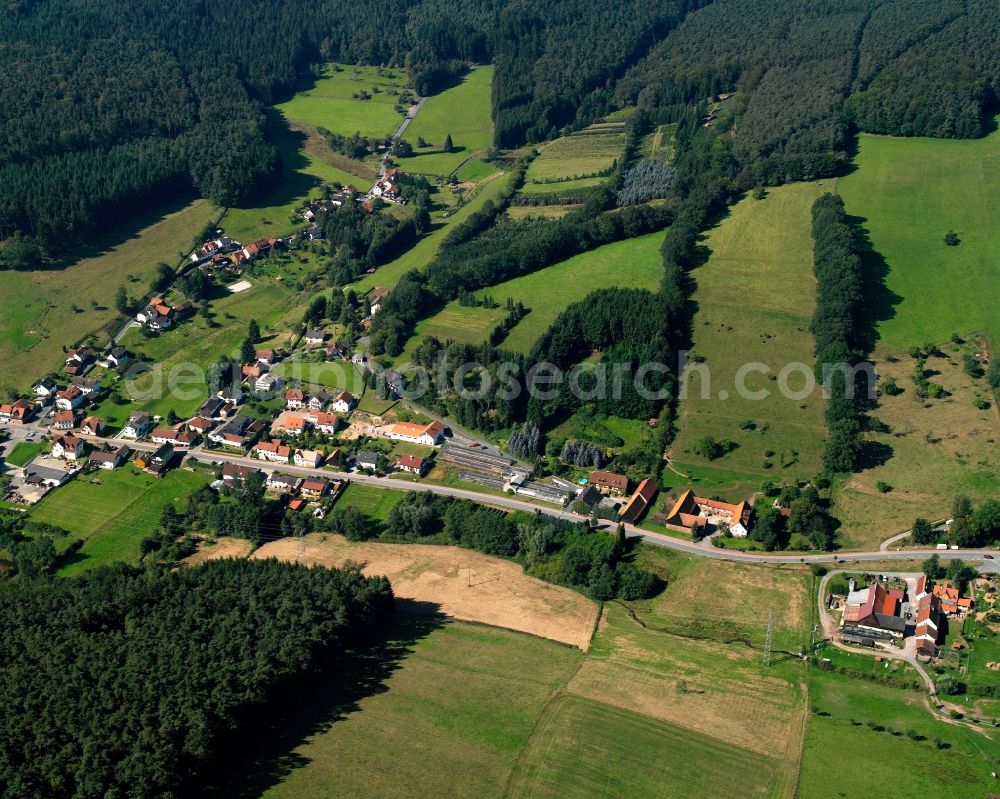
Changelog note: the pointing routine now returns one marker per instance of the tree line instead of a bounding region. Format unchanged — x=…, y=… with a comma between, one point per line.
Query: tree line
x=560, y=552
x=834, y=326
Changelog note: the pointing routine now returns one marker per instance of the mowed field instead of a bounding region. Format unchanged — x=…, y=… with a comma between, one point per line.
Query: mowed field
x=632, y=263
x=755, y=298
x=463, y=111
x=572, y=162
x=37, y=316
x=909, y=192
x=330, y=101
x=497, y=592
x=112, y=511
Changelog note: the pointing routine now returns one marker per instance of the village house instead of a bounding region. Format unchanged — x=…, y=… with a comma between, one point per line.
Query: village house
x=20, y=410
x=336, y=351
x=68, y=447
x=231, y=395
x=266, y=356
x=609, y=482
x=395, y=382
x=69, y=398
x=413, y=464
x=318, y=400
x=296, y=425
x=344, y=402
x=315, y=336
x=640, y=501
x=295, y=398
x=200, y=424
x=78, y=361
x=156, y=316
x=156, y=462
x=163, y=435
x=267, y=383
x=950, y=601
x=326, y=422
x=252, y=371
x=92, y=426
x=690, y=510
x=234, y=473
x=429, y=435
x=308, y=458
x=239, y=432
x=376, y=298
x=283, y=483
x=137, y=425
x=273, y=451
x=114, y=358
x=45, y=387
x=366, y=460
x=87, y=385
x=211, y=408
x=64, y=420
x=314, y=487
x=296, y=504
x=109, y=458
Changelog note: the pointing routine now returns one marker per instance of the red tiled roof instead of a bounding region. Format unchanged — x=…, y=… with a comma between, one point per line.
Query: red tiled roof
x=609, y=480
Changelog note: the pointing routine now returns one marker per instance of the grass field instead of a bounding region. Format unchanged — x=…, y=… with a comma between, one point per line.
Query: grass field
x=425, y=250
x=113, y=511
x=330, y=103
x=908, y=193
x=446, y=715
x=755, y=299
x=882, y=763
x=577, y=738
x=463, y=111
x=578, y=156
x=22, y=452
x=939, y=449
x=37, y=316
x=632, y=263
x=375, y=502
x=189, y=349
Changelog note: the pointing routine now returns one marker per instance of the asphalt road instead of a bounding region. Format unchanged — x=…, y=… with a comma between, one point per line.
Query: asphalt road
x=516, y=503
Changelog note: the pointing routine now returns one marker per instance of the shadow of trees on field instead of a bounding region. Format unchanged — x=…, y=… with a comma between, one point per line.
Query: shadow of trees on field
x=878, y=300
x=261, y=753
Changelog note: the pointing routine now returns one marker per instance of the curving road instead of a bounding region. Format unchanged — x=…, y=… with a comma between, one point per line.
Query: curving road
x=632, y=531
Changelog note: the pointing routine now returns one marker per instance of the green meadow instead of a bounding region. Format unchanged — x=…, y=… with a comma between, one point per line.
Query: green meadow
x=331, y=102
x=908, y=193
x=112, y=511
x=632, y=263
x=22, y=453
x=886, y=744
x=463, y=111
x=375, y=502
x=573, y=162
x=755, y=298
x=43, y=311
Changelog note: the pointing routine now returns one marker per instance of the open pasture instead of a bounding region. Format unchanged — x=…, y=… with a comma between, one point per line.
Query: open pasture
x=42, y=311
x=755, y=298
x=907, y=193
x=632, y=263
x=463, y=111
x=112, y=511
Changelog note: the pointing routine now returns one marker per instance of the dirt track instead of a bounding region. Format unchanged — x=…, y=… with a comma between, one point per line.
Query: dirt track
x=500, y=593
